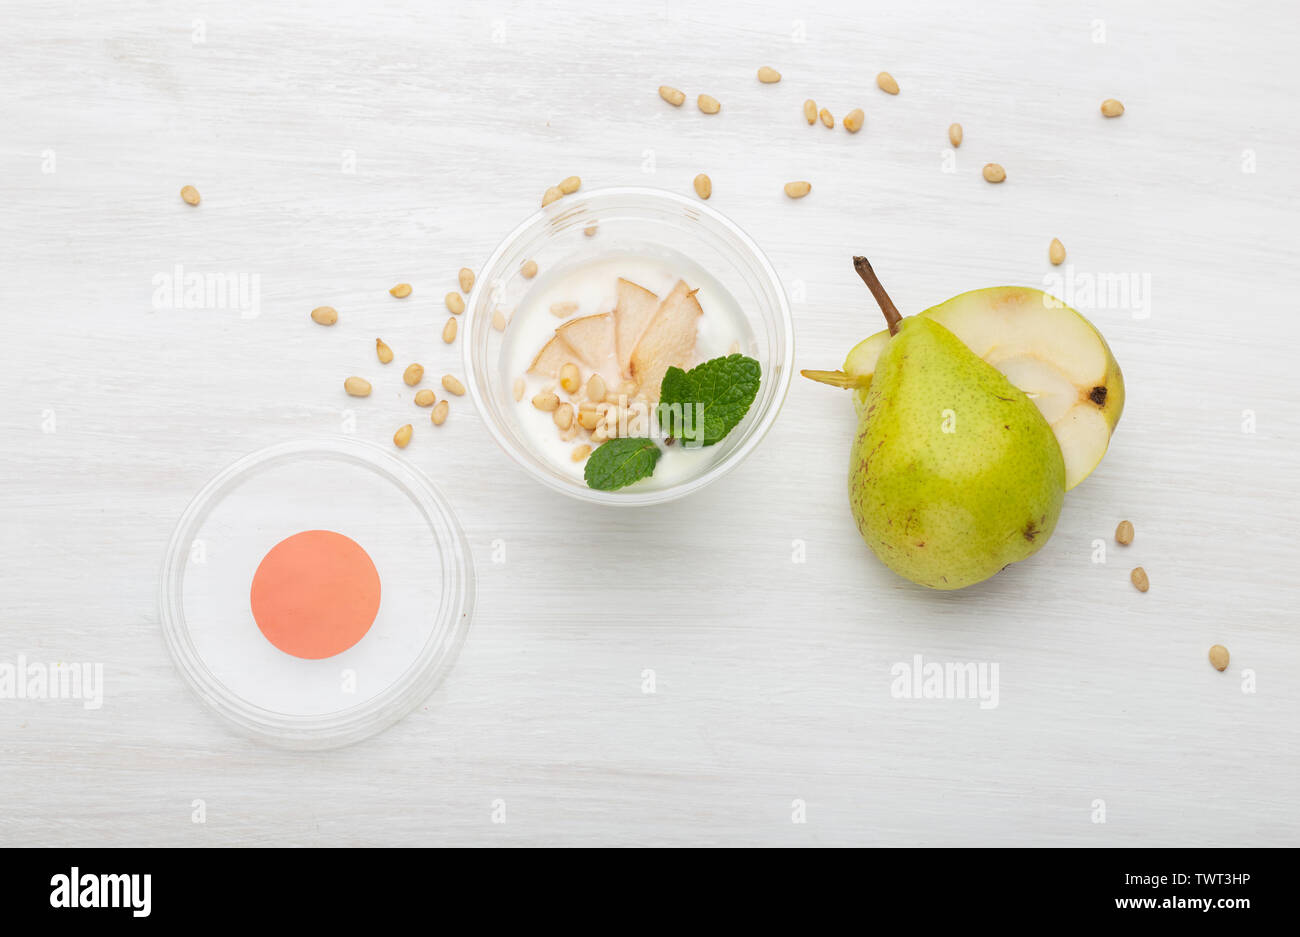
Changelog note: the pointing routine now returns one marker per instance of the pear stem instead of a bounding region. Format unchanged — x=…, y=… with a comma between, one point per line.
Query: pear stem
x=892, y=315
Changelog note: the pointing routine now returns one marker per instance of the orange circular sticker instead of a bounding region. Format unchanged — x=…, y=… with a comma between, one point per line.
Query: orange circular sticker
x=315, y=594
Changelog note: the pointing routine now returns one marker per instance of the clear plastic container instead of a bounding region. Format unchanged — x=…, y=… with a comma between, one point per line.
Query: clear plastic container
x=628, y=220
x=341, y=484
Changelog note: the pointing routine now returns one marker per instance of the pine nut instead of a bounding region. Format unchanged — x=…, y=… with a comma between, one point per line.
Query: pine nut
x=768, y=76
x=452, y=386
x=449, y=331
x=190, y=195
x=1139, y=577
x=827, y=118
x=1111, y=108
x=581, y=452
x=564, y=415
x=425, y=398
x=1056, y=254
x=570, y=378
x=590, y=230
x=402, y=438
x=1218, y=654
x=588, y=417
x=401, y=290
x=439, y=414
x=383, y=351
x=1124, y=533
x=672, y=96
x=529, y=269
x=703, y=186
x=561, y=310
x=519, y=388
x=596, y=388
x=853, y=120
x=886, y=83
x=810, y=111
x=708, y=104
x=570, y=185
x=324, y=315
x=466, y=278
x=954, y=134
x=546, y=402
x=413, y=374
x=357, y=387
x=455, y=303
x=994, y=173
x=797, y=189
x=498, y=320
x=553, y=194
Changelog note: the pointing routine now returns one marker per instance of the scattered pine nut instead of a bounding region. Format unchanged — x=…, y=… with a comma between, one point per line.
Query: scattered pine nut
x=324, y=315
x=588, y=417
x=519, y=388
x=401, y=290
x=703, y=186
x=1111, y=108
x=546, y=402
x=708, y=104
x=439, y=414
x=853, y=120
x=383, y=351
x=553, y=194
x=827, y=118
x=1056, y=254
x=1139, y=578
x=570, y=378
x=466, y=278
x=581, y=452
x=570, y=184
x=402, y=438
x=596, y=387
x=529, y=269
x=601, y=432
x=1218, y=655
x=564, y=415
x=994, y=173
x=590, y=230
x=886, y=83
x=1124, y=533
x=498, y=320
x=455, y=303
x=797, y=189
x=954, y=135
x=672, y=96
x=810, y=111
x=190, y=195
x=768, y=75
x=413, y=374
x=425, y=398
x=449, y=331
x=357, y=387
x=452, y=385
x=560, y=310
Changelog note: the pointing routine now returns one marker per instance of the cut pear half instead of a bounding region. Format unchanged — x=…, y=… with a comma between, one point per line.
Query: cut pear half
x=1048, y=350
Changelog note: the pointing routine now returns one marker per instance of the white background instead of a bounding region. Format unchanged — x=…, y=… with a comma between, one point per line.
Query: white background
x=772, y=676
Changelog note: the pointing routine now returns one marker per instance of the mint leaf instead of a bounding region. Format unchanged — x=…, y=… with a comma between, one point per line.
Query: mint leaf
x=620, y=462
x=702, y=405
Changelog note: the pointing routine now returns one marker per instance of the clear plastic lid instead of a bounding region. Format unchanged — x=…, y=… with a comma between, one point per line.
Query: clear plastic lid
x=401, y=521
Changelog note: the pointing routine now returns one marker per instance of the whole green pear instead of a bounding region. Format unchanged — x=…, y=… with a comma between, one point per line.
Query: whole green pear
x=954, y=472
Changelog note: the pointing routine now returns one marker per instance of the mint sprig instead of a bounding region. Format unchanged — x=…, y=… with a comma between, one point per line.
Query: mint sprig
x=619, y=462
x=702, y=405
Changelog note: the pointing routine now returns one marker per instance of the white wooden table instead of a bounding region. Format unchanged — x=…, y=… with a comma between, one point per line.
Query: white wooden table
x=343, y=147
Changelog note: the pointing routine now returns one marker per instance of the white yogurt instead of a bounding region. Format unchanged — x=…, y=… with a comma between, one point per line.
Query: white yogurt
x=592, y=284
